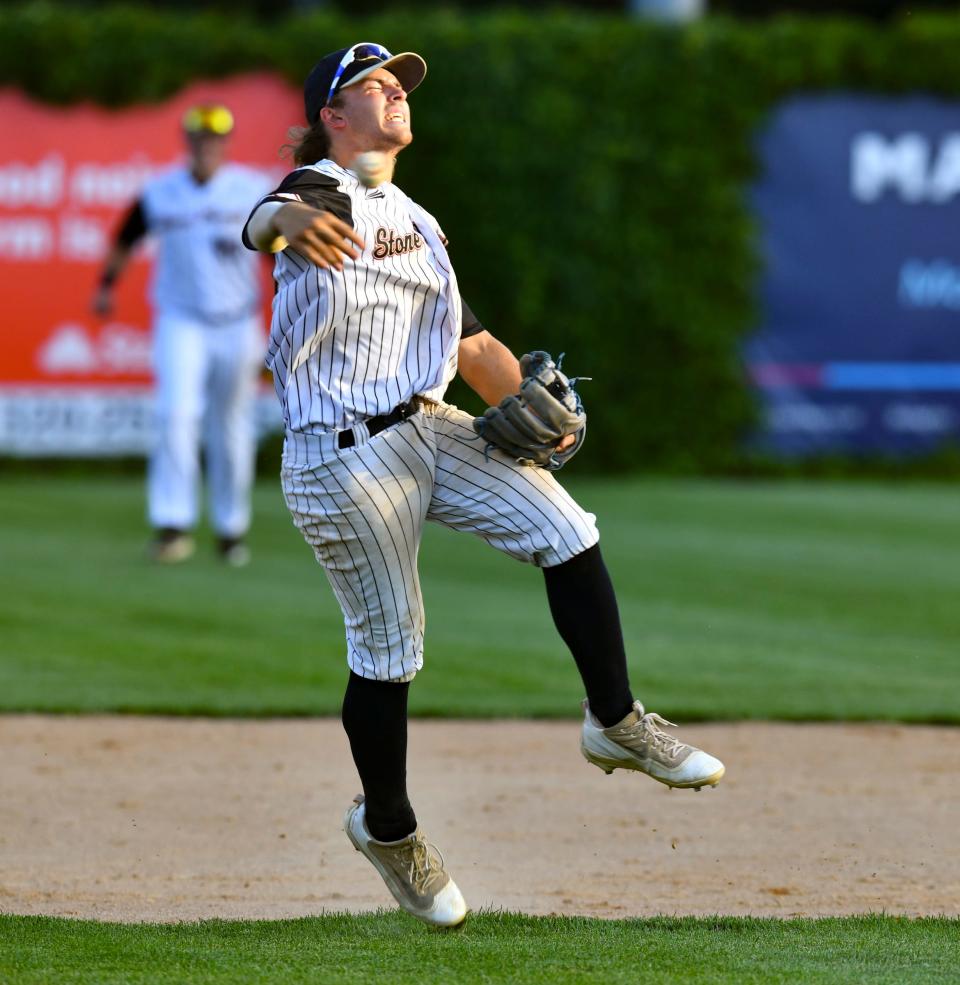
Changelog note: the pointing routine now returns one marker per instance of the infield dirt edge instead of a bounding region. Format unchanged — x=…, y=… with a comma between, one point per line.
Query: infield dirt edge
x=143, y=819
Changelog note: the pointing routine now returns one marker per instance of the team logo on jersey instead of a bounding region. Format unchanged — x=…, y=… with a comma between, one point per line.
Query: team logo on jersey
x=390, y=243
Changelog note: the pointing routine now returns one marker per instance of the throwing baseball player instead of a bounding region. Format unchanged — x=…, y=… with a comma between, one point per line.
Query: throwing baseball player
x=368, y=329
x=207, y=336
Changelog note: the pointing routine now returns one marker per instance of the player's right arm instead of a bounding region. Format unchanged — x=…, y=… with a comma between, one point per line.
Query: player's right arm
x=317, y=235
x=132, y=229
x=309, y=214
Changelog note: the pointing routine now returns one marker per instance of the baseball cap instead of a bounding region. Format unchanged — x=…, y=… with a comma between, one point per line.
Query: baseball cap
x=342, y=68
x=208, y=118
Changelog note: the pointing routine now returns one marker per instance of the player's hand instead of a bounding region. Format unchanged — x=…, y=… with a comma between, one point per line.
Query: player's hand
x=319, y=236
x=102, y=303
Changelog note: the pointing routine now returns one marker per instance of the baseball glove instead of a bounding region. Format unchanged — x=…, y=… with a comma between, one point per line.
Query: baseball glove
x=529, y=425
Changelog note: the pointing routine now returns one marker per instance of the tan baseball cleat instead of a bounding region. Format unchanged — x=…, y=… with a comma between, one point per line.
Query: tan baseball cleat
x=412, y=868
x=171, y=547
x=233, y=551
x=639, y=743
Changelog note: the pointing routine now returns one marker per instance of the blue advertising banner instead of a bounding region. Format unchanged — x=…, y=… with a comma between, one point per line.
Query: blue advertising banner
x=859, y=212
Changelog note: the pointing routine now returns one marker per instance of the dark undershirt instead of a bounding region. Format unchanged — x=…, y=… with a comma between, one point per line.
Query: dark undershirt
x=471, y=324
x=133, y=227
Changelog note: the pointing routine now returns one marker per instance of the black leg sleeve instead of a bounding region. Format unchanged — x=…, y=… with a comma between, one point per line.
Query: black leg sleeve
x=584, y=609
x=374, y=716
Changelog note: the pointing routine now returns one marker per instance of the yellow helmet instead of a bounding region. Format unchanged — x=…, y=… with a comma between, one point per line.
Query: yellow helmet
x=208, y=118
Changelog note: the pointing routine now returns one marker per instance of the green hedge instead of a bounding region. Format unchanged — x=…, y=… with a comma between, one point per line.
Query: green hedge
x=588, y=170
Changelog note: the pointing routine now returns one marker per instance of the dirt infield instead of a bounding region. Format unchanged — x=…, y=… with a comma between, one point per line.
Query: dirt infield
x=164, y=819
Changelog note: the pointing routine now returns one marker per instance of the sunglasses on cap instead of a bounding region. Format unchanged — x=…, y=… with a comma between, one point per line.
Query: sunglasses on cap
x=208, y=119
x=365, y=51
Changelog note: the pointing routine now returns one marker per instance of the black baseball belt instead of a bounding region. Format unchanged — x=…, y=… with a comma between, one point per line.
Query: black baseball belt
x=374, y=425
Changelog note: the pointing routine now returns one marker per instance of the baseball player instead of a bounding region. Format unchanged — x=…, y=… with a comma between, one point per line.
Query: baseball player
x=207, y=336
x=368, y=329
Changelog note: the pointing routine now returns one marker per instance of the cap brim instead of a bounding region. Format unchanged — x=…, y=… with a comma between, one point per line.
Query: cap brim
x=408, y=67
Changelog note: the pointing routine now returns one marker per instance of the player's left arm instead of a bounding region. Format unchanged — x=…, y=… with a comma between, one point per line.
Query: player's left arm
x=488, y=367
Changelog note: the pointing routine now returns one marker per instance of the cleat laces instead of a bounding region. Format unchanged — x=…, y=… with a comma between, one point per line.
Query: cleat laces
x=423, y=862
x=649, y=728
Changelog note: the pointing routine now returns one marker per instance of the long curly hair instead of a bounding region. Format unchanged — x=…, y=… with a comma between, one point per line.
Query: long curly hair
x=307, y=144
x=311, y=143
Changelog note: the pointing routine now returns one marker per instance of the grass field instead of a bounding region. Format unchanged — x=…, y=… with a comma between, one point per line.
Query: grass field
x=793, y=600
x=490, y=948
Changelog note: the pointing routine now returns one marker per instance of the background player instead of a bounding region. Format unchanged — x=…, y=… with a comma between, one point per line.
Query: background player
x=368, y=330
x=207, y=336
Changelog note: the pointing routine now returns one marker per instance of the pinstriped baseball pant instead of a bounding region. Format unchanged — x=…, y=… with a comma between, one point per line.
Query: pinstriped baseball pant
x=362, y=510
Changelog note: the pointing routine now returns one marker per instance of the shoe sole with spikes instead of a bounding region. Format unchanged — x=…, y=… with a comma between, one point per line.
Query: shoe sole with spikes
x=639, y=743
x=609, y=765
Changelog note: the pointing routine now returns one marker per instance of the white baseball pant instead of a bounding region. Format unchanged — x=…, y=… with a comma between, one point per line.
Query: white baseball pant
x=205, y=387
x=362, y=510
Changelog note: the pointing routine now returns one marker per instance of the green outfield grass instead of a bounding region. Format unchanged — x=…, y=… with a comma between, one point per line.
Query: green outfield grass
x=793, y=600
x=490, y=948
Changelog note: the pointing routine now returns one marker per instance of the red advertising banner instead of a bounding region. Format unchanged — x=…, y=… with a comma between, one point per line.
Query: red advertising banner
x=70, y=381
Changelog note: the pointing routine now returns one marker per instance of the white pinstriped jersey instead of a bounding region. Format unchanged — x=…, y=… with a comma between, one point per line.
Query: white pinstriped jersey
x=352, y=344
x=201, y=270
x=348, y=345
